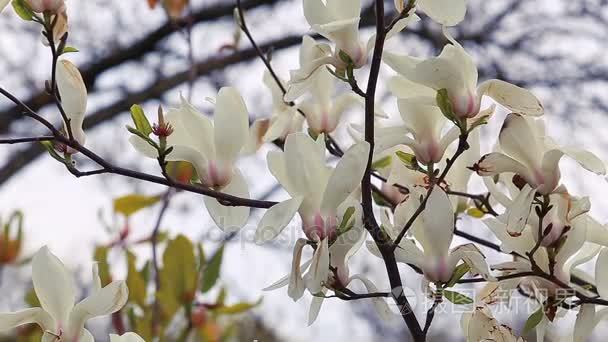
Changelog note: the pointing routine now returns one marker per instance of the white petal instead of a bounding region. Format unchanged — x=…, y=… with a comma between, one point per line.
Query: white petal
x=315, y=307
x=519, y=211
x=445, y=12
x=12, y=320
x=285, y=280
x=601, y=273
x=103, y=302
x=258, y=130
x=496, y=163
x=128, y=337
x=277, y=166
x=516, y=99
x=438, y=217
x=518, y=140
x=596, y=232
x=319, y=269
x=472, y=256
x=403, y=64
x=143, y=147
x=403, y=88
x=346, y=177
x=379, y=303
x=296, y=282
x=586, y=159
x=192, y=129
x=231, y=124
x=276, y=219
x=72, y=90
x=584, y=325
x=3, y=4
x=230, y=219
x=346, y=245
x=305, y=166
x=520, y=244
x=53, y=285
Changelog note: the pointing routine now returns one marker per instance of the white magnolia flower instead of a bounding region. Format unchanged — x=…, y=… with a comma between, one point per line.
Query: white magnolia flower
x=533, y=156
x=480, y=325
x=434, y=230
x=317, y=193
x=59, y=316
x=73, y=94
x=213, y=147
x=128, y=337
x=455, y=71
x=338, y=21
x=283, y=121
x=52, y=6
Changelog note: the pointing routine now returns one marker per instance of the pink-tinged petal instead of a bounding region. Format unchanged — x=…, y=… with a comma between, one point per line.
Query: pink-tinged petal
x=495, y=163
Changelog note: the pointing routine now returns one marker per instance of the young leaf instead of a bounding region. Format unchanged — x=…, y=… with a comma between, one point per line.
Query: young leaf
x=130, y=204
x=534, y=320
x=23, y=10
x=236, y=308
x=101, y=257
x=179, y=273
x=459, y=272
x=212, y=271
x=382, y=163
x=457, y=298
x=476, y=213
x=444, y=103
x=344, y=225
x=140, y=120
x=70, y=49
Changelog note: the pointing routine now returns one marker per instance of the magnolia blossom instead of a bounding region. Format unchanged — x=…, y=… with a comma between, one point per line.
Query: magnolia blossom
x=128, y=337
x=52, y=6
x=59, y=317
x=434, y=230
x=480, y=325
x=73, y=94
x=455, y=71
x=317, y=193
x=445, y=12
x=284, y=119
x=340, y=251
x=213, y=147
x=533, y=156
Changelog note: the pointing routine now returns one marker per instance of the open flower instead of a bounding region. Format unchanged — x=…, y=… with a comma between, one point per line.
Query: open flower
x=59, y=317
x=213, y=147
x=455, y=71
x=317, y=193
x=434, y=230
x=73, y=94
x=531, y=155
x=338, y=21
x=128, y=337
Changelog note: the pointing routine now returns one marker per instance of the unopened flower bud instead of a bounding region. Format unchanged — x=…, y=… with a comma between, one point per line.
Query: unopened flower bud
x=51, y=6
x=162, y=129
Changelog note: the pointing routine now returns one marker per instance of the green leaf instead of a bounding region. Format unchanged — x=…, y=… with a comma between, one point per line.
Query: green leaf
x=135, y=282
x=70, y=49
x=51, y=150
x=130, y=204
x=101, y=257
x=457, y=298
x=179, y=273
x=479, y=122
x=476, y=213
x=344, y=224
x=236, y=308
x=534, y=320
x=140, y=120
x=444, y=103
x=23, y=10
x=459, y=272
x=212, y=271
x=408, y=159
x=382, y=163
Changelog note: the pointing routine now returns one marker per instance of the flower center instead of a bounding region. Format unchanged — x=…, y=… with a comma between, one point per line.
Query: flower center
x=321, y=226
